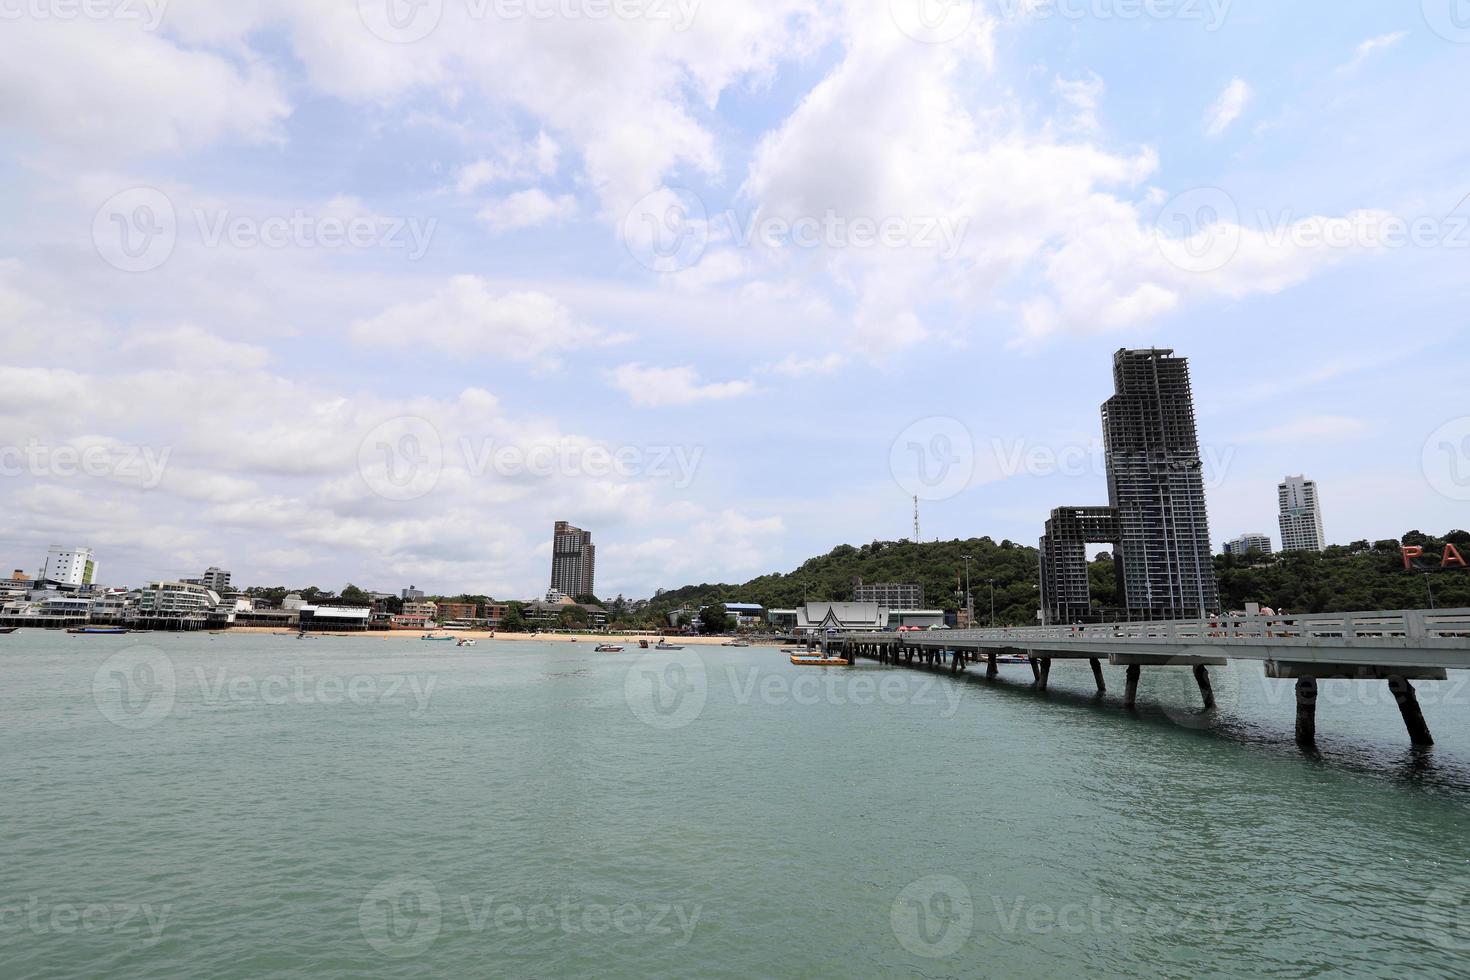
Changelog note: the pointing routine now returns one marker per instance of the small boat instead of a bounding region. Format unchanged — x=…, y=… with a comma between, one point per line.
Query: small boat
x=643, y=644
x=663, y=645
x=437, y=639
x=99, y=630
x=8, y=629
x=465, y=641
x=607, y=648
x=804, y=661
x=735, y=643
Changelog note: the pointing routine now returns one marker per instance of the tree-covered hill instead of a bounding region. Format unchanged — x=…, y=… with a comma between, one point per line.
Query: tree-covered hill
x=1361, y=576
x=938, y=566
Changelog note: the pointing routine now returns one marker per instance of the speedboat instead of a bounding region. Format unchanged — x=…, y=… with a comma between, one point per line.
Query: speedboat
x=465, y=641
x=4, y=630
x=99, y=630
x=801, y=660
x=607, y=648
x=437, y=639
x=667, y=646
x=735, y=643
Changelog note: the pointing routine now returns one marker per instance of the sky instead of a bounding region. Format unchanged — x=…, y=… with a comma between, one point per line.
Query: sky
x=375, y=291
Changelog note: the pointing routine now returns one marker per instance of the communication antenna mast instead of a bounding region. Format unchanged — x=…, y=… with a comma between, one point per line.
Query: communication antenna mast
x=916, y=519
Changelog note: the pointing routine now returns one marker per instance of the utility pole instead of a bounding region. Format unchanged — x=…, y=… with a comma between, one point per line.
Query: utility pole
x=992, y=603
x=916, y=519
x=969, y=598
x=1430, y=588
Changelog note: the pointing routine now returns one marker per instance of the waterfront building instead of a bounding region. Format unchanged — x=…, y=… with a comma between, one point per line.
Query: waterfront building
x=1156, y=519
x=573, y=560
x=412, y=594
x=451, y=612
x=335, y=619
x=76, y=567
x=416, y=616
x=783, y=619
x=745, y=614
x=176, y=599
x=216, y=580
x=1301, y=515
x=1246, y=543
x=890, y=595
x=817, y=617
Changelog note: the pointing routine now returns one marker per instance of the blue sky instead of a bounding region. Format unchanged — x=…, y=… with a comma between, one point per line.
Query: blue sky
x=551, y=254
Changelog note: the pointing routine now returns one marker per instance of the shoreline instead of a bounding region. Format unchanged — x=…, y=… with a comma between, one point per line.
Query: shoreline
x=486, y=636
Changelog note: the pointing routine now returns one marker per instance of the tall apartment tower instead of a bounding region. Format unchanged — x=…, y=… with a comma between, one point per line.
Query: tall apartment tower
x=1156, y=519
x=70, y=566
x=1301, y=515
x=573, y=560
x=216, y=580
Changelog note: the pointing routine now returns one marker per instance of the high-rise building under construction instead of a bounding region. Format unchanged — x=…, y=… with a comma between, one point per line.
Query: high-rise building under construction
x=1156, y=519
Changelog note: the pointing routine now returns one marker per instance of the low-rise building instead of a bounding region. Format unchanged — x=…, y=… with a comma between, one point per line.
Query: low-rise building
x=1246, y=543
x=335, y=619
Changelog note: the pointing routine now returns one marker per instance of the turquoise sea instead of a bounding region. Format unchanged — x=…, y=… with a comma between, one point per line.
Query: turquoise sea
x=244, y=806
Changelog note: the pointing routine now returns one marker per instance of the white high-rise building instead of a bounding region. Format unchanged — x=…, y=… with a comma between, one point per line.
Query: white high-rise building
x=1301, y=515
x=70, y=566
x=216, y=579
x=1246, y=543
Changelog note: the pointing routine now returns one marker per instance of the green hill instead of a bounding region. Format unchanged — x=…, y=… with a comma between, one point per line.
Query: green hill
x=1360, y=576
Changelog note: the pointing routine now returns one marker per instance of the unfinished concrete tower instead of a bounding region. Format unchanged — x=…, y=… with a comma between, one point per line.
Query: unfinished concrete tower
x=1156, y=519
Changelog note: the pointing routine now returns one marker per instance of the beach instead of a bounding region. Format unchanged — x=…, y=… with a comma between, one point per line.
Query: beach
x=483, y=635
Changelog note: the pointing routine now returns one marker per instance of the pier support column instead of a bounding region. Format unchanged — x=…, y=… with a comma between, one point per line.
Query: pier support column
x=1202, y=678
x=1306, y=711
x=1403, y=693
x=1097, y=675
x=1035, y=670
x=1130, y=696
x=1045, y=672
x=991, y=667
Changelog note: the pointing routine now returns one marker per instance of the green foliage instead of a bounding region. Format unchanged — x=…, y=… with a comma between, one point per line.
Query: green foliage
x=714, y=619
x=938, y=566
x=573, y=618
x=514, y=620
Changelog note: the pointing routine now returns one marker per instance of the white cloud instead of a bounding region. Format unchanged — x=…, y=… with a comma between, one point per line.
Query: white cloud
x=655, y=387
x=467, y=319
x=1084, y=95
x=516, y=161
x=796, y=366
x=1228, y=107
x=527, y=209
x=1371, y=47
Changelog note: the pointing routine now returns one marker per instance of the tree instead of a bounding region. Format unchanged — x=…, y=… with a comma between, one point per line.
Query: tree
x=714, y=619
x=355, y=596
x=514, y=620
x=573, y=617
x=587, y=599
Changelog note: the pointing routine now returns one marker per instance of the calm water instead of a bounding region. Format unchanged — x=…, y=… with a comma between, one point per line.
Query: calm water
x=244, y=806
